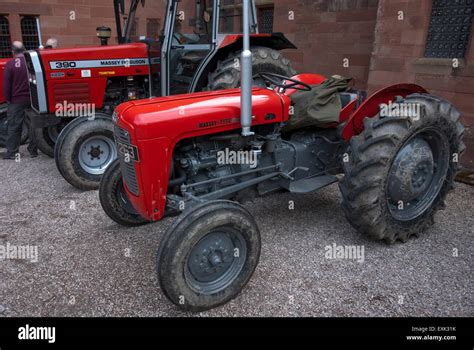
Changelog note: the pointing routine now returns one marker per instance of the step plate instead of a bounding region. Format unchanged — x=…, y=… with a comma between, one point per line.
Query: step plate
x=311, y=184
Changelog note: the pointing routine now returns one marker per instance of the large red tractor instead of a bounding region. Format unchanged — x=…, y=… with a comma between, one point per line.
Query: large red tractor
x=81, y=87
x=396, y=152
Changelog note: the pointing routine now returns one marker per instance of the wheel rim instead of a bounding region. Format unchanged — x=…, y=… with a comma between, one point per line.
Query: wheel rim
x=417, y=174
x=216, y=261
x=96, y=153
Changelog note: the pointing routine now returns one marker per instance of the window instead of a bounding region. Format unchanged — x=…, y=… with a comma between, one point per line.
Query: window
x=29, y=32
x=449, y=29
x=230, y=16
x=265, y=19
x=5, y=40
x=230, y=20
x=134, y=30
x=153, y=28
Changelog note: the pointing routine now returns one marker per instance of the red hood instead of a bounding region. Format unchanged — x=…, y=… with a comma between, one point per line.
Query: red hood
x=132, y=50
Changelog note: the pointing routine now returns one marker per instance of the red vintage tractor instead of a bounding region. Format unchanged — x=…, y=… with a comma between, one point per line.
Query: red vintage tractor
x=74, y=91
x=176, y=158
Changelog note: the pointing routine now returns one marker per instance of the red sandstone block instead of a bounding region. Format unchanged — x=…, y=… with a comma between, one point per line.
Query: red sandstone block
x=391, y=64
x=418, y=22
x=396, y=50
x=100, y=11
x=355, y=16
x=413, y=37
x=446, y=83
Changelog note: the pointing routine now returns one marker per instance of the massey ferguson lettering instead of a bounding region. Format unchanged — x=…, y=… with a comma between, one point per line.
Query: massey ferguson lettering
x=117, y=62
x=126, y=62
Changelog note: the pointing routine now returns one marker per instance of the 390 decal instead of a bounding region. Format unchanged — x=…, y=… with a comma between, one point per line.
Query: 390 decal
x=65, y=64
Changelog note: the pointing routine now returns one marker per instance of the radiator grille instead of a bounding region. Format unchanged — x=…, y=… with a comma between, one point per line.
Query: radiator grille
x=72, y=93
x=34, y=96
x=128, y=168
x=33, y=87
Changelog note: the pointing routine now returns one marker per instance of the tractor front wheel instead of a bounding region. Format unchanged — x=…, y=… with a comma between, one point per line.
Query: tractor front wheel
x=114, y=200
x=400, y=169
x=208, y=255
x=85, y=150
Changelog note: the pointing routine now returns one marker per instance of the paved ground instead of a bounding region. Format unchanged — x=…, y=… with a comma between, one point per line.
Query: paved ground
x=89, y=266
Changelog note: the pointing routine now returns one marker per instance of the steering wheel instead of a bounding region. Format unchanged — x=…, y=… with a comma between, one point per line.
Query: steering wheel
x=277, y=80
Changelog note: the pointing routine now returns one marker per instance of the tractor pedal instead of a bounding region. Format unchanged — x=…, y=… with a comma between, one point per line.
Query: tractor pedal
x=311, y=184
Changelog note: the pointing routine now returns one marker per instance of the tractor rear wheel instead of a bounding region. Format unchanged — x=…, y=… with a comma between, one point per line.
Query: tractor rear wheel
x=85, y=149
x=264, y=59
x=208, y=255
x=400, y=169
x=114, y=200
x=46, y=137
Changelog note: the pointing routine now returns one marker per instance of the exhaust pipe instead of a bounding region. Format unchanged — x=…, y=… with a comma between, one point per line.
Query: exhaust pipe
x=104, y=34
x=246, y=74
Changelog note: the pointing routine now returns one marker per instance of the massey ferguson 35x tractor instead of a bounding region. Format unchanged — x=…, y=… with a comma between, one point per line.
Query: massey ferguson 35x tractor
x=74, y=91
x=395, y=169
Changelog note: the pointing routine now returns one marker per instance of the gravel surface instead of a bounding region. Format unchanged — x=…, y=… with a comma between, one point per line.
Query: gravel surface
x=89, y=266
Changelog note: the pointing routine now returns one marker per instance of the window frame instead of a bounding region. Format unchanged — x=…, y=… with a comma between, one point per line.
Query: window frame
x=439, y=44
x=6, y=52
x=25, y=37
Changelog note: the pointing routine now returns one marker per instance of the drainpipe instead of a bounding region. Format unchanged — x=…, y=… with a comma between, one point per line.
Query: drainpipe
x=40, y=42
x=246, y=74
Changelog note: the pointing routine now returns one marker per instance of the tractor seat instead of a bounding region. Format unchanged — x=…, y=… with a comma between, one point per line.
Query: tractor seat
x=193, y=57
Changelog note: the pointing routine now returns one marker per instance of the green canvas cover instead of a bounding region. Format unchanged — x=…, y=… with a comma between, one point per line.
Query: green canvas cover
x=319, y=106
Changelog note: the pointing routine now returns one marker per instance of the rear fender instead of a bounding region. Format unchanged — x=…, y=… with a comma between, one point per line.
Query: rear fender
x=370, y=107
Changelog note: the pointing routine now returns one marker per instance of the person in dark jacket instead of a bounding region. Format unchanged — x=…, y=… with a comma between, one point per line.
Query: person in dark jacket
x=17, y=93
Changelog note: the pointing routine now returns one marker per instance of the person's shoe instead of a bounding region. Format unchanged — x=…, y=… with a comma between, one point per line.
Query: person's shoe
x=9, y=157
x=33, y=155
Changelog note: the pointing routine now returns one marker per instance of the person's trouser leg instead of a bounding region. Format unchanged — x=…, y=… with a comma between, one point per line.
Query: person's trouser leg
x=32, y=146
x=15, y=115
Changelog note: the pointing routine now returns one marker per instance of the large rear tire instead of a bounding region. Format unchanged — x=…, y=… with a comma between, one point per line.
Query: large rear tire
x=208, y=255
x=85, y=150
x=401, y=168
x=114, y=200
x=264, y=59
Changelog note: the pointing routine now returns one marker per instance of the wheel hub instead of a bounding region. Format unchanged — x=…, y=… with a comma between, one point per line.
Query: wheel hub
x=412, y=171
x=417, y=174
x=216, y=261
x=96, y=153
x=211, y=257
